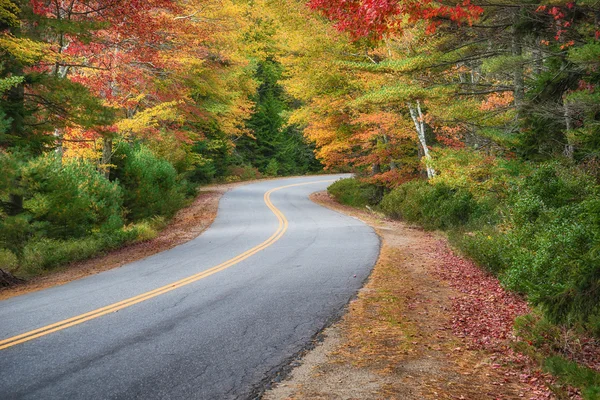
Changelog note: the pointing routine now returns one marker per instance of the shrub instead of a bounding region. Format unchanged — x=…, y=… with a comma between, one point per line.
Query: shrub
x=354, y=193
x=14, y=233
x=44, y=254
x=70, y=199
x=548, y=245
x=272, y=168
x=551, y=245
x=434, y=206
x=573, y=374
x=486, y=247
x=8, y=260
x=204, y=170
x=150, y=183
x=242, y=173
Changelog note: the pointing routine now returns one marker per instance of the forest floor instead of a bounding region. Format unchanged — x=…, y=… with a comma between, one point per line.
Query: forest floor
x=427, y=325
x=187, y=224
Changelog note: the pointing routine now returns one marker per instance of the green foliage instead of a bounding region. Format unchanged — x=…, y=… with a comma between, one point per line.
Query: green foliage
x=548, y=344
x=486, y=247
x=9, y=14
x=10, y=82
x=150, y=184
x=272, y=168
x=547, y=244
x=354, y=193
x=275, y=148
x=43, y=254
x=8, y=261
x=14, y=233
x=242, y=173
x=536, y=227
x=573, y=374
x=433, y=206
x=71, y=199
x=538, y=332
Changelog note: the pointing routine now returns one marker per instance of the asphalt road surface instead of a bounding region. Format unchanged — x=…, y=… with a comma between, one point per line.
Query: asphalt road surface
x=214, y=318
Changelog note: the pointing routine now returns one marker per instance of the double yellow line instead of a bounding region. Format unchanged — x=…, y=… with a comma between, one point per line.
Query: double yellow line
x=67, y=323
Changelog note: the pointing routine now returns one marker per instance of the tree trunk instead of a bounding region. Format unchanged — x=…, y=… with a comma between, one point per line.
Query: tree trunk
x=538, y=57
x=60, y=150
x=375, y=169
x=518, y=77
x=14, y=205
x=569, y=149
x=420, y=127
x=107, y=149
x=386, y=141
x=7, y=279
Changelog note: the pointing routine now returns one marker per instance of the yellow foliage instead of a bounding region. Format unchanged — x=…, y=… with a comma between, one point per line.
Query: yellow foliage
x=24, y=50
x=81, y=144
x=152, y=117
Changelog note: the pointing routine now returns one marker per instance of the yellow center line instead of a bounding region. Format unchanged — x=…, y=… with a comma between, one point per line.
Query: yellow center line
x=58, y=326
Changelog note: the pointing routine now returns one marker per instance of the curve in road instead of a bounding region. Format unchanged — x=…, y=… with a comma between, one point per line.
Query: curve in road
x=203, y=335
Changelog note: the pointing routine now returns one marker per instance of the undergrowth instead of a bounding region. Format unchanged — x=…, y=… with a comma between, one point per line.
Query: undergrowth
x=536, y=227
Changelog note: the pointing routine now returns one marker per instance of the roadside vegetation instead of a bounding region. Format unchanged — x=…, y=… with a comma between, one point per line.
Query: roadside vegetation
x=478, y=119
x=113, y=114
x=539, y=236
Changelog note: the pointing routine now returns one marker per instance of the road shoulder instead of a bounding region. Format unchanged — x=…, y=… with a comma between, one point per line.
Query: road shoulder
x=402, y=337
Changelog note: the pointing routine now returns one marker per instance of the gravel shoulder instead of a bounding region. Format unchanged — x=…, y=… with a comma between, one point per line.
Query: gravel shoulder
x=403, y=338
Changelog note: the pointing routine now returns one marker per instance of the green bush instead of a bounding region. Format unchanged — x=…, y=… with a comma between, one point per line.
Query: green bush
x=434, y=206
x=151, y=185
x=8, y=260
x=43, y=254
x=69, y=199
x=204, y=171
x=272, y=168
x=575, y=375
x=542, y=237
x=14, y=233
x=486, y=247
x=548, y=245
x=242, y=173
x=354, y=193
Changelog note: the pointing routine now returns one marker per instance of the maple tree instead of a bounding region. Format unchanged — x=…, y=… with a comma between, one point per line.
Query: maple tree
x=378, y=18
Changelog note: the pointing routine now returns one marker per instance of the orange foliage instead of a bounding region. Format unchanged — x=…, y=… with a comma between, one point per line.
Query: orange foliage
x=497, y=100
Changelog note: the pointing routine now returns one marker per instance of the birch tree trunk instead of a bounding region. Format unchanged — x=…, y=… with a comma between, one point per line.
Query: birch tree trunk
x=569, y=149
x=61, y=72
x=417, y=117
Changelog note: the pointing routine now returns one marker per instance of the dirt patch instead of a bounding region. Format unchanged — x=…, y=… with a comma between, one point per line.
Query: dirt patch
x=187, y=224
x=398, y=339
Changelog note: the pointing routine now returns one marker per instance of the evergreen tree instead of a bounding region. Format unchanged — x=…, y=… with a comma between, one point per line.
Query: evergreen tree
x=275, y=148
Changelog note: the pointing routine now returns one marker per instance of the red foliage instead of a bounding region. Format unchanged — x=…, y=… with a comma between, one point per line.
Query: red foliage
x=392, y=178
x=118, y=50
x=375, y=18
x=484, y=314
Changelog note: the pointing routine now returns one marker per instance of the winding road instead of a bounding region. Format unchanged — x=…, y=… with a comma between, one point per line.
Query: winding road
x=214, y=318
